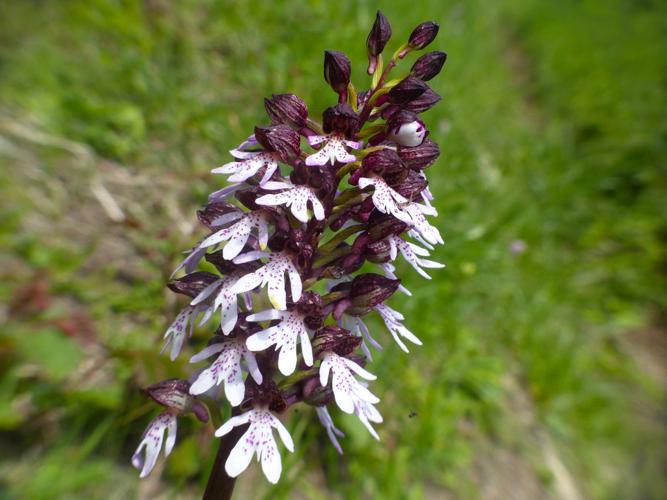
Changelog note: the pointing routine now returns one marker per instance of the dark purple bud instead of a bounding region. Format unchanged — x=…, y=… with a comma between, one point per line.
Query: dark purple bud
x=211, y=213
x=378, y=251
x=248, y=197
x=281, y=139
x=379, y=35
x=175, y=395
x=310, y=306
x=406, y=129
x=406, y=90
x=381, y=161
x=314, y=394
x=420, y=157
x=411, y=186
x=337, y=70
x=369, y=290
x=429, y=65
x=268, y=393
x=192, y=284
x=423, y=34
x=335, y=339
x=377, y=39
x=380, y=226
x=342, y=119
x=226, y=267
x=424, y=102
x=287, y=109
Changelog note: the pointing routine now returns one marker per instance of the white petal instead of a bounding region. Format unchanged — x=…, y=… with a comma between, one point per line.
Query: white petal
x=271, y=462
x=295, y=283
x=240, y=456
x=283, y=433
x=306, y=349
x=253, y=369
x=318, y=209
x=231, y=423
x=276, y=292
x=229, y=317
x=234, y=387
x=358, y=369
x=204, y=382
x=261, y=340
x=269, y=314
x=171, y=435
x=249, y=257
x=247, y=283
x=207, y=352
x=325, y=368
x=287, y=359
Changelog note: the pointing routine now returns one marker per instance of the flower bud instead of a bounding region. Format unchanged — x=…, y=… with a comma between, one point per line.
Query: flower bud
x=369, y=290
x=267, y=393
x=281, y=139
x=310, y=306
x=287, y=109
x=192, y=284
x=225, y=266
x=333, y=338
x=314, y=394
x=342, y=119
x=379, y=35
x=380, y=226
x=381, y=161
x=211, y=213
x=422, y=35
x=174, y=394
x=411, y=186
x=420, y=157
x=406, y=90
x=337, y=70
x=424, y=102
x=377, y=251
x=429, y=65
x=377, y=39
x=406, y=129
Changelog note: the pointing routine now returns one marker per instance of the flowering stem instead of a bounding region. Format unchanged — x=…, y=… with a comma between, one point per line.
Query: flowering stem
x=220, y=486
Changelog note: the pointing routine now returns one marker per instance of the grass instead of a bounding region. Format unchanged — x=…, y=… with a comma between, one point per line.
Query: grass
x=552, y=133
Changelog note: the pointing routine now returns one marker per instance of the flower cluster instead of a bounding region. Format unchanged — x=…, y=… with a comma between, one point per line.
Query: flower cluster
x=309, y=203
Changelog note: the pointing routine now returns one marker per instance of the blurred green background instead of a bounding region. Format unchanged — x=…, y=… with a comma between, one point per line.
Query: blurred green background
x=543, y=373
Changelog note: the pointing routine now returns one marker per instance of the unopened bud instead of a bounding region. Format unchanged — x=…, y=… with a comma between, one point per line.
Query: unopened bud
x=314, y=394
x=192, y=284
x=423, y=34
x=378, y=251
x=424, y=102
x=377, y=39
x=174, y=394
x=212, y=213
x=406, y=90
x=337, y=70
x=380, y=226
x=281, y=139
x=287, y=109
x=406, y=129
x=333, y=338
x=381, y=161
x=369, y=290
x=420, y=157
x=429, y=65
x=411, y=186
x=341, y=119
x=310, y=307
